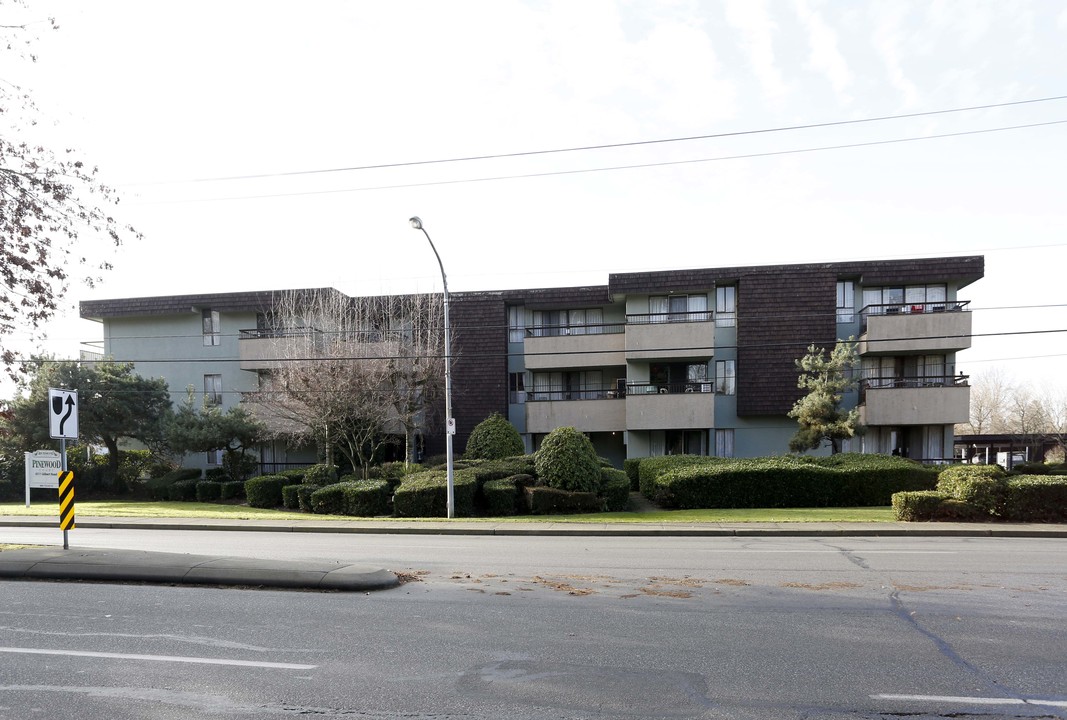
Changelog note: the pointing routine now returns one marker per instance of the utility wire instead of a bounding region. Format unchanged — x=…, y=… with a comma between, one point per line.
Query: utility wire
x=581, y=171
x=607, y=146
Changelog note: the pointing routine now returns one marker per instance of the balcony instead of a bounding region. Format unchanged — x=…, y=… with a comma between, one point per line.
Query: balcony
x=681, y=335
x=590, y=409
x=914, y=400
x=678, y=406
x=270, y=349
x=900, y=329
x=575, y=346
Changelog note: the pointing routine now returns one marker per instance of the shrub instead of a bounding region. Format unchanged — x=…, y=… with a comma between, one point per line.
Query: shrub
x=208, y=491
x=303, y=496
x=328, y=500
x=182, y=491
x=295, y=475
x=159, y=488
x=1041, y=498
x=216, y=474
x=982, y=486
x=501, y=497
x=1032, y=468
x=543, y=500
x=494, y=438
x=650, y=468
x=567, y=461
x=289, y=497
x=614, y=489
x=231, y=489
x=393, y=472
x=320, y=474
x=265, y=491
x=631, y=466
x=917, y=505
x=367, y=498
x=425, y=494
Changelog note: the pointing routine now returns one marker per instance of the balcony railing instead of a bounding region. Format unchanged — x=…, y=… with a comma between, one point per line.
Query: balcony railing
x=366, y=336
x=652, y=388
x=670, y=317
x=880, y=382
x=538, y=331
x=940, y=306
x=581, y=392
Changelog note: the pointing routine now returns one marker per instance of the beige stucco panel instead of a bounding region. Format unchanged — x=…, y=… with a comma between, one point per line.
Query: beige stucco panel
x=574, y=351
x=586, y=415
x=925, y=333
x=916, y=406
x=670, y=340
x=678, y=411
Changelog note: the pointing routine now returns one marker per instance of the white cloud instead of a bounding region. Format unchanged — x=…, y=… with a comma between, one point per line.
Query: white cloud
x=825, y=56
x=889, y=36
x=756, y=30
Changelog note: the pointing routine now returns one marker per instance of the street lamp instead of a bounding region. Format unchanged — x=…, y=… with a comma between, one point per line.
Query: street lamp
x=450, y=423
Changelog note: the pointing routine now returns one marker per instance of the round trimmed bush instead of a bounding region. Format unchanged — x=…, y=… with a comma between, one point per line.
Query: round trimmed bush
x=320, y=474
x=567, y=461
x=492, y=439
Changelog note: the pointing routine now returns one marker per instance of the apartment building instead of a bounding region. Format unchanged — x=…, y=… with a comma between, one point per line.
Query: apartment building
x=695, y=361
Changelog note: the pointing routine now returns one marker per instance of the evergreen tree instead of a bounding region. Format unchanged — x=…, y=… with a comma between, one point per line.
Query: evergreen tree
x=826, y=377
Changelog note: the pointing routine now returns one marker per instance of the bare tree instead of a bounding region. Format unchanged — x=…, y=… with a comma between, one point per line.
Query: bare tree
x=990, y=392
x=352, y=373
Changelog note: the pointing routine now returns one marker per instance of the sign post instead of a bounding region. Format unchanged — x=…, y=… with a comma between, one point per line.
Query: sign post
x=63, y=425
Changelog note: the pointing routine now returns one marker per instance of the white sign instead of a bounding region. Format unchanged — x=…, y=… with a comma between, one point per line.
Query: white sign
x=42, y=470
x=63, y=414
x=451, y=426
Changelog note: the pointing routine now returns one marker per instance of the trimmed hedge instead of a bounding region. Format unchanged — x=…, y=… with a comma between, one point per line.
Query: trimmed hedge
x=566, y=460
x=320, y=474
x=492, y=439
x=303, y=496
x=393, y=472
x=614, y=489
x=159, y=488
x=208, y=491
x=917, y=505
x=182, y=491
x=265, y=491
x=501, y=497
x=289, y=497
x=1036, y=498
x=789, y=482
x=982, y=486
x=425, y=494
x=231, y=489
x=362, y=498
x=631, y=466
x=650, y=468
x=544, y=500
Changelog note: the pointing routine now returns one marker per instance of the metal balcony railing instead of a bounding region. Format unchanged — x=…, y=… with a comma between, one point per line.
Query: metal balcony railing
x=546, y=393
x=941, y=306
x=670, y=388
x=538, y=331
x=879, y=382
x=670, y=317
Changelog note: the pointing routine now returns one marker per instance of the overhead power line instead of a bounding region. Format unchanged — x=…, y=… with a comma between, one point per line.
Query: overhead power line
x=613, y=168
x=608, y=146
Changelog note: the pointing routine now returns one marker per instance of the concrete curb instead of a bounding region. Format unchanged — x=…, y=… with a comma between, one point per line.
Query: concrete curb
x=183, y=569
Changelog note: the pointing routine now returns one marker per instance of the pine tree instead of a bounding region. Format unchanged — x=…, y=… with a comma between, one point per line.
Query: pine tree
x=818, y=413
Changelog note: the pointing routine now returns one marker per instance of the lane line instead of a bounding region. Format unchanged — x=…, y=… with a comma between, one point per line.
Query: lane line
x=973, y=700
x=159, y=658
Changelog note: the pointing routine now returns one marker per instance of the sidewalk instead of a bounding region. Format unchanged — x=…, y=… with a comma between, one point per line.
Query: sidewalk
x=53, y=563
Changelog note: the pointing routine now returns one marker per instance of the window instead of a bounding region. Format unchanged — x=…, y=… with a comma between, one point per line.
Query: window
x=212, y=327
x=724, y=443
x=551, y=323
x=214, y=457
x=213, y=389
x=846, y=301
x=677, y=308
x=911, y=299
x=516, y=323
x=726, y=377
x=517, y=387
x=726, y=306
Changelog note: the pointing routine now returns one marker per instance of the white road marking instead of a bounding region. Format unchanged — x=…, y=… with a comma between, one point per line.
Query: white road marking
x=160, y=658
x=973, y=700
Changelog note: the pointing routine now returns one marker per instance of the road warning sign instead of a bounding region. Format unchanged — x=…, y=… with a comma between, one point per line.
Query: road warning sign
x=66, y=500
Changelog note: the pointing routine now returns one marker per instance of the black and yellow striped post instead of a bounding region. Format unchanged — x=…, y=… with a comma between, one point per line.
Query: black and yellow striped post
x=66, y=503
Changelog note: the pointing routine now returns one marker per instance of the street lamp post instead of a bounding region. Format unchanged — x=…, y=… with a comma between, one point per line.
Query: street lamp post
x=450, y=423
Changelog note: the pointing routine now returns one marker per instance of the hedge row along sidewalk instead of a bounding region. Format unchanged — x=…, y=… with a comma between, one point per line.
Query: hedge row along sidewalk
x=986, y=493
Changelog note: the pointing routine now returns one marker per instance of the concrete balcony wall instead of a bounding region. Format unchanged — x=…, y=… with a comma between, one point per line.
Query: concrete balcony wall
x=917, y=333
x=574, y=351
x=675, y=411
x=587, y=415
x=681, y=341
x=916, y=406
x=261, y=353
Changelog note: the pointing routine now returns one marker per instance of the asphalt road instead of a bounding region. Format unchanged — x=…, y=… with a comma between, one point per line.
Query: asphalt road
x=556, y=628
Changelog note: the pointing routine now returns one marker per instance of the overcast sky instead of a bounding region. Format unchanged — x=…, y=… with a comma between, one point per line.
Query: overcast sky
x=170, y=98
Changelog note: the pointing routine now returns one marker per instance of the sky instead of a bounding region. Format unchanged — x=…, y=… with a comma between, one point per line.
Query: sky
x=242, y=135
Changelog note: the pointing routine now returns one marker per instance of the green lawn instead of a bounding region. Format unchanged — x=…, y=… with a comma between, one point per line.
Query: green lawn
x=121, y=508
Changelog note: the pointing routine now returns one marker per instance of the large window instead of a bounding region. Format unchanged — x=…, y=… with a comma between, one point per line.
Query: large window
x=677, y=308
x=584, y=321
x=724, y=443
x=576, y=385
x=213, y=389
x=726, y=377
x=517, y=387
x=846, y=301
x=516, y=323
x=726, y=306
x=212, y=327
x=904, y=299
